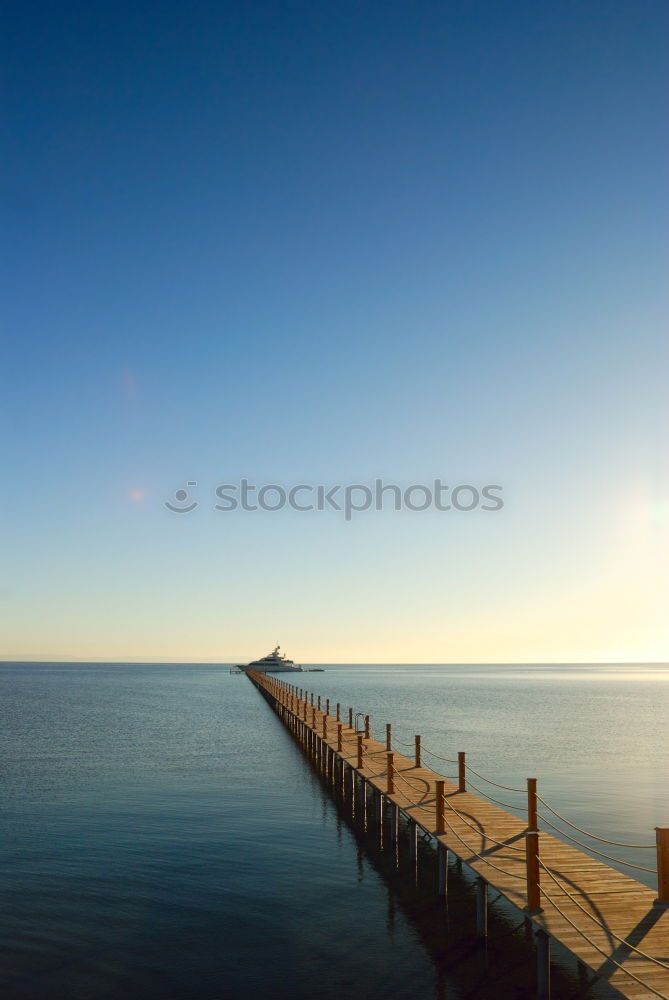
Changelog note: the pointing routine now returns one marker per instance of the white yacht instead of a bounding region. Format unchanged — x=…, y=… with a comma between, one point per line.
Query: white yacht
x=274, y=663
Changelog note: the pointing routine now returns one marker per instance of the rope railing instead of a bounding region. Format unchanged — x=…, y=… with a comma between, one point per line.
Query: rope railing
x=603, y=840
x=607, y=930
x=449, y=760
x=410, y=805
x=593, y=850
x=486, y=861
x=499, y=843
x=374, y=758
x=376, y=774
x=450, y=777
x=413, y=788
x=646, y=986
x=507, y=805
x=507, y=788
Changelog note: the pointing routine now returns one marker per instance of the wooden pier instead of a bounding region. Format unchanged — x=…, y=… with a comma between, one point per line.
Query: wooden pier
x=613, y=924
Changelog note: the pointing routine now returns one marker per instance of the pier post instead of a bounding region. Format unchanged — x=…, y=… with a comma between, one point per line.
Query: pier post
x=339, y=732
x=532, y=804
x=378, y=808
x=412, y=829
x=350, y=718
x=394, y=823
x=532, y=865
x=338, y=711
x=481, y=907
x=325, y=727
x=662, y=841
x=462, y=780
x=359, y=751
x=390, y=772
x=327, y=707
x=417, y=750
x=543, y=965
x=319, y=703
x=388, y=741
x=439, y=807
x=442, y=874
x=360, y=795
x=349, y=784
x=312, y=699
x=366, y=727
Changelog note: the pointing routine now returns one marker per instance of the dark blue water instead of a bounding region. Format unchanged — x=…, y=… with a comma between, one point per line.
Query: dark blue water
x=163, y=836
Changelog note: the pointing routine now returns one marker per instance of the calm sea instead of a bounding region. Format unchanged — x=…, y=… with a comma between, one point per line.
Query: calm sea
x=163, y=837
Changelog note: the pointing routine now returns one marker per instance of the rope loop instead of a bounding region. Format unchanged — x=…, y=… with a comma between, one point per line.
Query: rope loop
x=602, y=840
x=593, y=850
x=507, y=788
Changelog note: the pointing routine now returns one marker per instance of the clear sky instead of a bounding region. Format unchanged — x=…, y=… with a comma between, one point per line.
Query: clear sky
x=324, y=243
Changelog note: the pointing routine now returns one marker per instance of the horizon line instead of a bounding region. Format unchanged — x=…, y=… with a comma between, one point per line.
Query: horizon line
x=344, y=663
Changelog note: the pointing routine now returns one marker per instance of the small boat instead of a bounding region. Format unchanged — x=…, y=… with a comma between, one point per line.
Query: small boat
x=274, y=663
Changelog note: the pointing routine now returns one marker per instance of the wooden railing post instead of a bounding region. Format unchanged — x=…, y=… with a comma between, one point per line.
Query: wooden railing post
x=532, y=849
x=439, y=800
x=366, y=727
x=319, y=703
x=532, y=804
x=532, y=865
x=388, y=743
x=462, y=779
x=662, y=841
x=327, y=707
x=338, y=711
x=350, y=718
x=359, y=750
x=391, y=776
x=339, y=730
x=417, y=751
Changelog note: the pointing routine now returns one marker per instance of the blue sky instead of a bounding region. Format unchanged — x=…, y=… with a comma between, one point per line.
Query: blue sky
x=300, y=243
